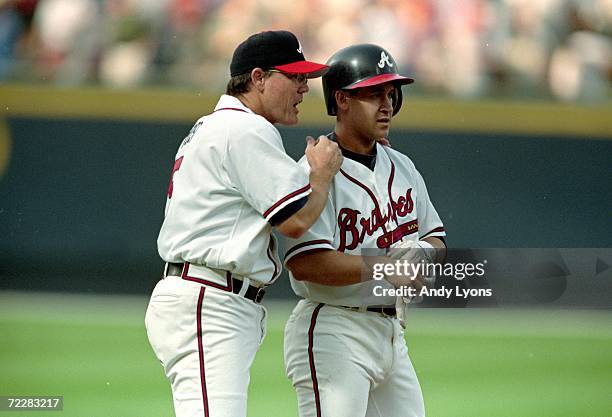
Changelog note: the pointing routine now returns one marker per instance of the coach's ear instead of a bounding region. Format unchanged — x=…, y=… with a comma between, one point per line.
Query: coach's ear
x=258, y=78
x=341, y=99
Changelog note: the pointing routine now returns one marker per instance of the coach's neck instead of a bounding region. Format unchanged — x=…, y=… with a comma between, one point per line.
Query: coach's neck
x=251, y=100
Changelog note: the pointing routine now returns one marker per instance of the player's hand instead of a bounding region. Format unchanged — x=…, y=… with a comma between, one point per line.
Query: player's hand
x=413, y=251
x=399, y=281
x=324, y=158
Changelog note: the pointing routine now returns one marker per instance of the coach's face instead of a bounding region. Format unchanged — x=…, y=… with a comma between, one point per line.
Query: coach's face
x=282, y=95
x=370, y=110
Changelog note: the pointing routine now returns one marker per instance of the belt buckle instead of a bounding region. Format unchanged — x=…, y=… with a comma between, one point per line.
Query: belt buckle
x=259, y=295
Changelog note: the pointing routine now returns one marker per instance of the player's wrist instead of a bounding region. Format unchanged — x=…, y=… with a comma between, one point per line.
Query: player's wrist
x=425, y=244
x=435, y=252
x=369, y=266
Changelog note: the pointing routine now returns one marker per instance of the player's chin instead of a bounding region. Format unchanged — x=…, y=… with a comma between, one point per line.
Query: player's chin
x=382, y=130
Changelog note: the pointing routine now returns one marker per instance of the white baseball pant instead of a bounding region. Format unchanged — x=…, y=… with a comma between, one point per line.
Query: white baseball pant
x=347, y=363
x=206, y=340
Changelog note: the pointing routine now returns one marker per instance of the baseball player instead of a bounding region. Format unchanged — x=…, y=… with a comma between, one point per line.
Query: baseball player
x=231, y=183
x=344, y=347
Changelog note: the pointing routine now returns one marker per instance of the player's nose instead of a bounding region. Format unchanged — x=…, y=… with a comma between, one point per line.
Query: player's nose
x=386, y=103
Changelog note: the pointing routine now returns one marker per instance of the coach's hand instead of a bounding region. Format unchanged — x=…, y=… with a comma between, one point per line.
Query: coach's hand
x=324, y=158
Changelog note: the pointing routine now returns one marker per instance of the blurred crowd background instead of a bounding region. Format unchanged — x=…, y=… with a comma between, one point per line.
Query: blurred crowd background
x=559, y=49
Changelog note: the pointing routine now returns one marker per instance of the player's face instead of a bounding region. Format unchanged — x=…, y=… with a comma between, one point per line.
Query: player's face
x=371, y=109
x=283, y=94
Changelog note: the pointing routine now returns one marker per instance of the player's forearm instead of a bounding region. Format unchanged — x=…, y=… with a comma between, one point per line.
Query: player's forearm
x=439, y=246
x=296, y=225
x=330, y=267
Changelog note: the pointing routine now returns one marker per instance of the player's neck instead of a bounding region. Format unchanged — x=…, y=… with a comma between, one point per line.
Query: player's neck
x=351, y=140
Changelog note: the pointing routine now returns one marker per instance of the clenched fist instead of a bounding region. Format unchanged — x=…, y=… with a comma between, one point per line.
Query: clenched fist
x=324, y=158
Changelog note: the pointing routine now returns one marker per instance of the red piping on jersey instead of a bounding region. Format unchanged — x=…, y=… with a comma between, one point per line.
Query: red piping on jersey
x=389, y=185
x=228, y=277
x=310, y=242
x=370, y=193
x=313, y=372
x=230, y=281
x=231, y=108
x=436, y=230
x=285, y=198
x=201, y=351
x=271, y=258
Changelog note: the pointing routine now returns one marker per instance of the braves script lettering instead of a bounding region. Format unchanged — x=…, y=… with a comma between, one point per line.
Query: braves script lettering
x=354, y=227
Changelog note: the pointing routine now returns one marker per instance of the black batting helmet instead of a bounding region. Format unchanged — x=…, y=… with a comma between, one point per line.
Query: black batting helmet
x=360, y=66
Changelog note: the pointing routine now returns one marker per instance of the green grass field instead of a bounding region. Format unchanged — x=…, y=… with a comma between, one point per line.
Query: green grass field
x=472, y=363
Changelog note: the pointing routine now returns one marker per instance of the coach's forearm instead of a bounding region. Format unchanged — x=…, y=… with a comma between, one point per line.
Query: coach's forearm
x=330, y=267
x=296, y=225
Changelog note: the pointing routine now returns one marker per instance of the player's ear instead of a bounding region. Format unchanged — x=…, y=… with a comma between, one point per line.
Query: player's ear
x=258, y=77
x=341, y=98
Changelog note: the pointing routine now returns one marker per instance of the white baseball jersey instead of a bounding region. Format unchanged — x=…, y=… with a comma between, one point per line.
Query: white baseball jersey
x=231, y=176
x=367, y=209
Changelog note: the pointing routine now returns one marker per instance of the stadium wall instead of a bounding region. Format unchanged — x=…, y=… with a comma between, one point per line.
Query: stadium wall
x=83, y=177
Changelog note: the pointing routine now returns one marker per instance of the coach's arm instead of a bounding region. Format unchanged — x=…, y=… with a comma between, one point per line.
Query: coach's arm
x=325, y=159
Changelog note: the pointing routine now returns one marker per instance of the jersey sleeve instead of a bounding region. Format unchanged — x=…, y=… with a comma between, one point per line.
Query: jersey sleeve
x=260, y=169
x=430, y=224
x=288, y=211
x=321, y=234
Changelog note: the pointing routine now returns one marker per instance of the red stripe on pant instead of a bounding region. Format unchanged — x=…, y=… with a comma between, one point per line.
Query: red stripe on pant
x=201, y=351
x=313, y=372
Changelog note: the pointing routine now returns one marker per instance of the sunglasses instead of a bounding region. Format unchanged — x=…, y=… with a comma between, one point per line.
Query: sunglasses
x=296, y=78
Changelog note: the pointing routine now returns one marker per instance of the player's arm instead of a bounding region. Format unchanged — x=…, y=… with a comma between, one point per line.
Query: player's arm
x=439, y=246
x=336, y=269
x=325, y=160
x=330, y=267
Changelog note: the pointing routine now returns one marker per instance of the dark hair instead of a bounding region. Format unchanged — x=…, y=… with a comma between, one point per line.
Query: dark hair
x=238, y=84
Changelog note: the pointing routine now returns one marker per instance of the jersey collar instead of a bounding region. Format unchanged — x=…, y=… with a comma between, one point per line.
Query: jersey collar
x=231, y=103
x=369, y=161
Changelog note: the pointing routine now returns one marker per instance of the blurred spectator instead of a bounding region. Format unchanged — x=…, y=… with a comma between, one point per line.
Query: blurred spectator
x=527, y=47
x=127, y=51
x=580, y=67
x=15, y=27
x=467, y=48
x=69, y=39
